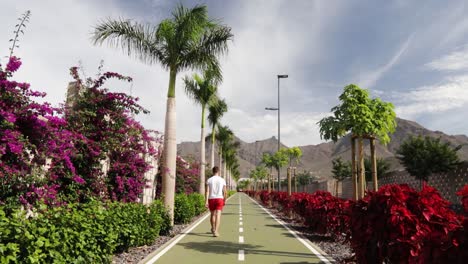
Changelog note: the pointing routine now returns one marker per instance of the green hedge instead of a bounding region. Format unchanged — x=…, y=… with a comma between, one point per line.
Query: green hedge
x=184, y=209
x=84, y=233
x=198, y=202
x=88, y=233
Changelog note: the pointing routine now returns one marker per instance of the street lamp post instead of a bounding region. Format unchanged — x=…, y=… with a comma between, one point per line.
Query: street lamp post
x=280, y=76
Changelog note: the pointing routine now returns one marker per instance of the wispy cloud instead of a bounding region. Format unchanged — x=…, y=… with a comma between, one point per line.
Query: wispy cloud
x=449, y=95
x=369, y=79
x=457, y=60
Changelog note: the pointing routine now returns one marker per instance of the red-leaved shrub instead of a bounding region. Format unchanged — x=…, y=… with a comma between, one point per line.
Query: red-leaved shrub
x=399, y=225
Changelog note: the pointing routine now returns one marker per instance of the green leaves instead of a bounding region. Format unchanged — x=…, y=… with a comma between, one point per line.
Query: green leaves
x=359, y=114
x=294, y=153
x=341, y=169
x=424, y=156
x=81, y=233
x=184, y=209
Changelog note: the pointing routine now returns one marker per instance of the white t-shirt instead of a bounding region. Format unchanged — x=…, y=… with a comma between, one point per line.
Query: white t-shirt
x=216, y=185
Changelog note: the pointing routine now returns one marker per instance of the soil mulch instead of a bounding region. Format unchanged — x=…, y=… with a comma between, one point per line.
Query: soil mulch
x=134, y=255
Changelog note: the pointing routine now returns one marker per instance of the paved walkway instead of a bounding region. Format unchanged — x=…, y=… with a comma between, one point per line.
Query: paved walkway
x=248, y=234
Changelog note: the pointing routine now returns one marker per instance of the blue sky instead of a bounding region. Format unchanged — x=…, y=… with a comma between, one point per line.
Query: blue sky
x=411, y=53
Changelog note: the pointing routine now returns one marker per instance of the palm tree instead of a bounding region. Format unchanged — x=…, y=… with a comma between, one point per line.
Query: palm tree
x=229, y=149
x=224, y=136
x=216, y=111
x=188, y=40
x=202, y=90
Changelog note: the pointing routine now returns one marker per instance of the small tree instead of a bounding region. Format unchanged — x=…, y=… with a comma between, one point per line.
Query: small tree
x=341, y=170
x=383, y=167
x=365, y=118
x=424, y=156
x=267, y=160
x=294, y=153
x=280, y=159
x=303, y=178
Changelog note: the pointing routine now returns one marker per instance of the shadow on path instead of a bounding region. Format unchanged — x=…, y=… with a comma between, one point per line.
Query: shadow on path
x=224, y=247
x=217, y=247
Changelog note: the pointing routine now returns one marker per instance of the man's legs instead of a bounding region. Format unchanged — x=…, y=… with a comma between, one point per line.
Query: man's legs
x=217, y=220
x=213, y=221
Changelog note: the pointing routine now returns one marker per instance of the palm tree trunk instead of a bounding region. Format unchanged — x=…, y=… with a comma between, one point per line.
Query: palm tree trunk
x=224, y=169
x=353, y=168
x=212, y=146
x=269, y=183
x=220, y=161
x=374, y=164
x=170, y=149
x=201, y=187
x=289, y=181
x=295, y=180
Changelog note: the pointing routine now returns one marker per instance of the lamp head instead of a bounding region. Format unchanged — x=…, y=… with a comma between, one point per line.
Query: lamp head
x=282, y=76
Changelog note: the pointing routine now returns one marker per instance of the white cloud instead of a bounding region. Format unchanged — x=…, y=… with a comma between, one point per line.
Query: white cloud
x=297, y=128
x=369, y=79
x=449, y=95
x=457, y=60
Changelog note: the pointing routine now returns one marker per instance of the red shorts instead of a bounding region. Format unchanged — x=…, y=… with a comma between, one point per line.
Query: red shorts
x=216, y=204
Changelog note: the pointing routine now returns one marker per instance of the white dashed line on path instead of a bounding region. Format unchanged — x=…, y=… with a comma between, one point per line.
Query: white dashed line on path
x=241, y=256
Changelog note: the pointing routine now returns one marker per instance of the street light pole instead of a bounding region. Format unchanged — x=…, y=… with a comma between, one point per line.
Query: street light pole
x=280, y=76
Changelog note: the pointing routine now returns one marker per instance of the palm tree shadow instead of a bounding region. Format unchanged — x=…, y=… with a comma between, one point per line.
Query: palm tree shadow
x=224, y=247
x=217, y=247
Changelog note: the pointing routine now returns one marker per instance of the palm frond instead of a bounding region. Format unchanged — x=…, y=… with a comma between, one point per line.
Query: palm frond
x=216, y=111
x=134, y=38
x=192, y=89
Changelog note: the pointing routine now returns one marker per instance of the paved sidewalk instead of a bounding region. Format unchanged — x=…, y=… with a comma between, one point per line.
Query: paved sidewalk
x=248, y=234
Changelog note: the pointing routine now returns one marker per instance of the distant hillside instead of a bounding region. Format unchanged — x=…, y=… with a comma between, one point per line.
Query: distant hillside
x=317, y=158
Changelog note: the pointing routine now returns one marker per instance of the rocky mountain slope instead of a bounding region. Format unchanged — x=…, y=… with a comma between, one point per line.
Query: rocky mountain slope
x=317, y=158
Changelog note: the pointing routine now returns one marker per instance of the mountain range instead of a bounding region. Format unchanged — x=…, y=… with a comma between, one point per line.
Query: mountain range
x=318, y=158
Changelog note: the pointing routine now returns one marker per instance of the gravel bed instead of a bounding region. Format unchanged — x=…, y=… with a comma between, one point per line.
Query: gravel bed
x=134, y=255
x=339, y=249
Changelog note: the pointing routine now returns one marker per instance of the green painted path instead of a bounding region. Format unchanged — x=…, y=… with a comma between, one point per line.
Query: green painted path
x=248, y=234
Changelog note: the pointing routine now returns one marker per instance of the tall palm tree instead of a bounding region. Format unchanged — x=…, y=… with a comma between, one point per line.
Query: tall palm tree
x=188, y=40
x=225, y=135
x=216, y=111
x=202, y=90
x=230, y=159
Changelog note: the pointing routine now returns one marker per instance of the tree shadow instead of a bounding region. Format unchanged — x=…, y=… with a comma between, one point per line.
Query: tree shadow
x=300, y=262
x=225, y=247
x=217, y=247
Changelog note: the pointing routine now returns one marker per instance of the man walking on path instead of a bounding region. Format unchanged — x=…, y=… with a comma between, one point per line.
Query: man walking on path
x=215, y=197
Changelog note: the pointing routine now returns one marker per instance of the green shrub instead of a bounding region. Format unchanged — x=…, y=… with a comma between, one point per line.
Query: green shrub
x=9, y=249
x=198, y=202
x=231, y=192
x=163, y=212
x=79, y=233
x=184, y=209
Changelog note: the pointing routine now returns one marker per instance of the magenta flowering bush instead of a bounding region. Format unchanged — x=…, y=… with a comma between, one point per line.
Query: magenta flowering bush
x=187, y=177
x=56, y=155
